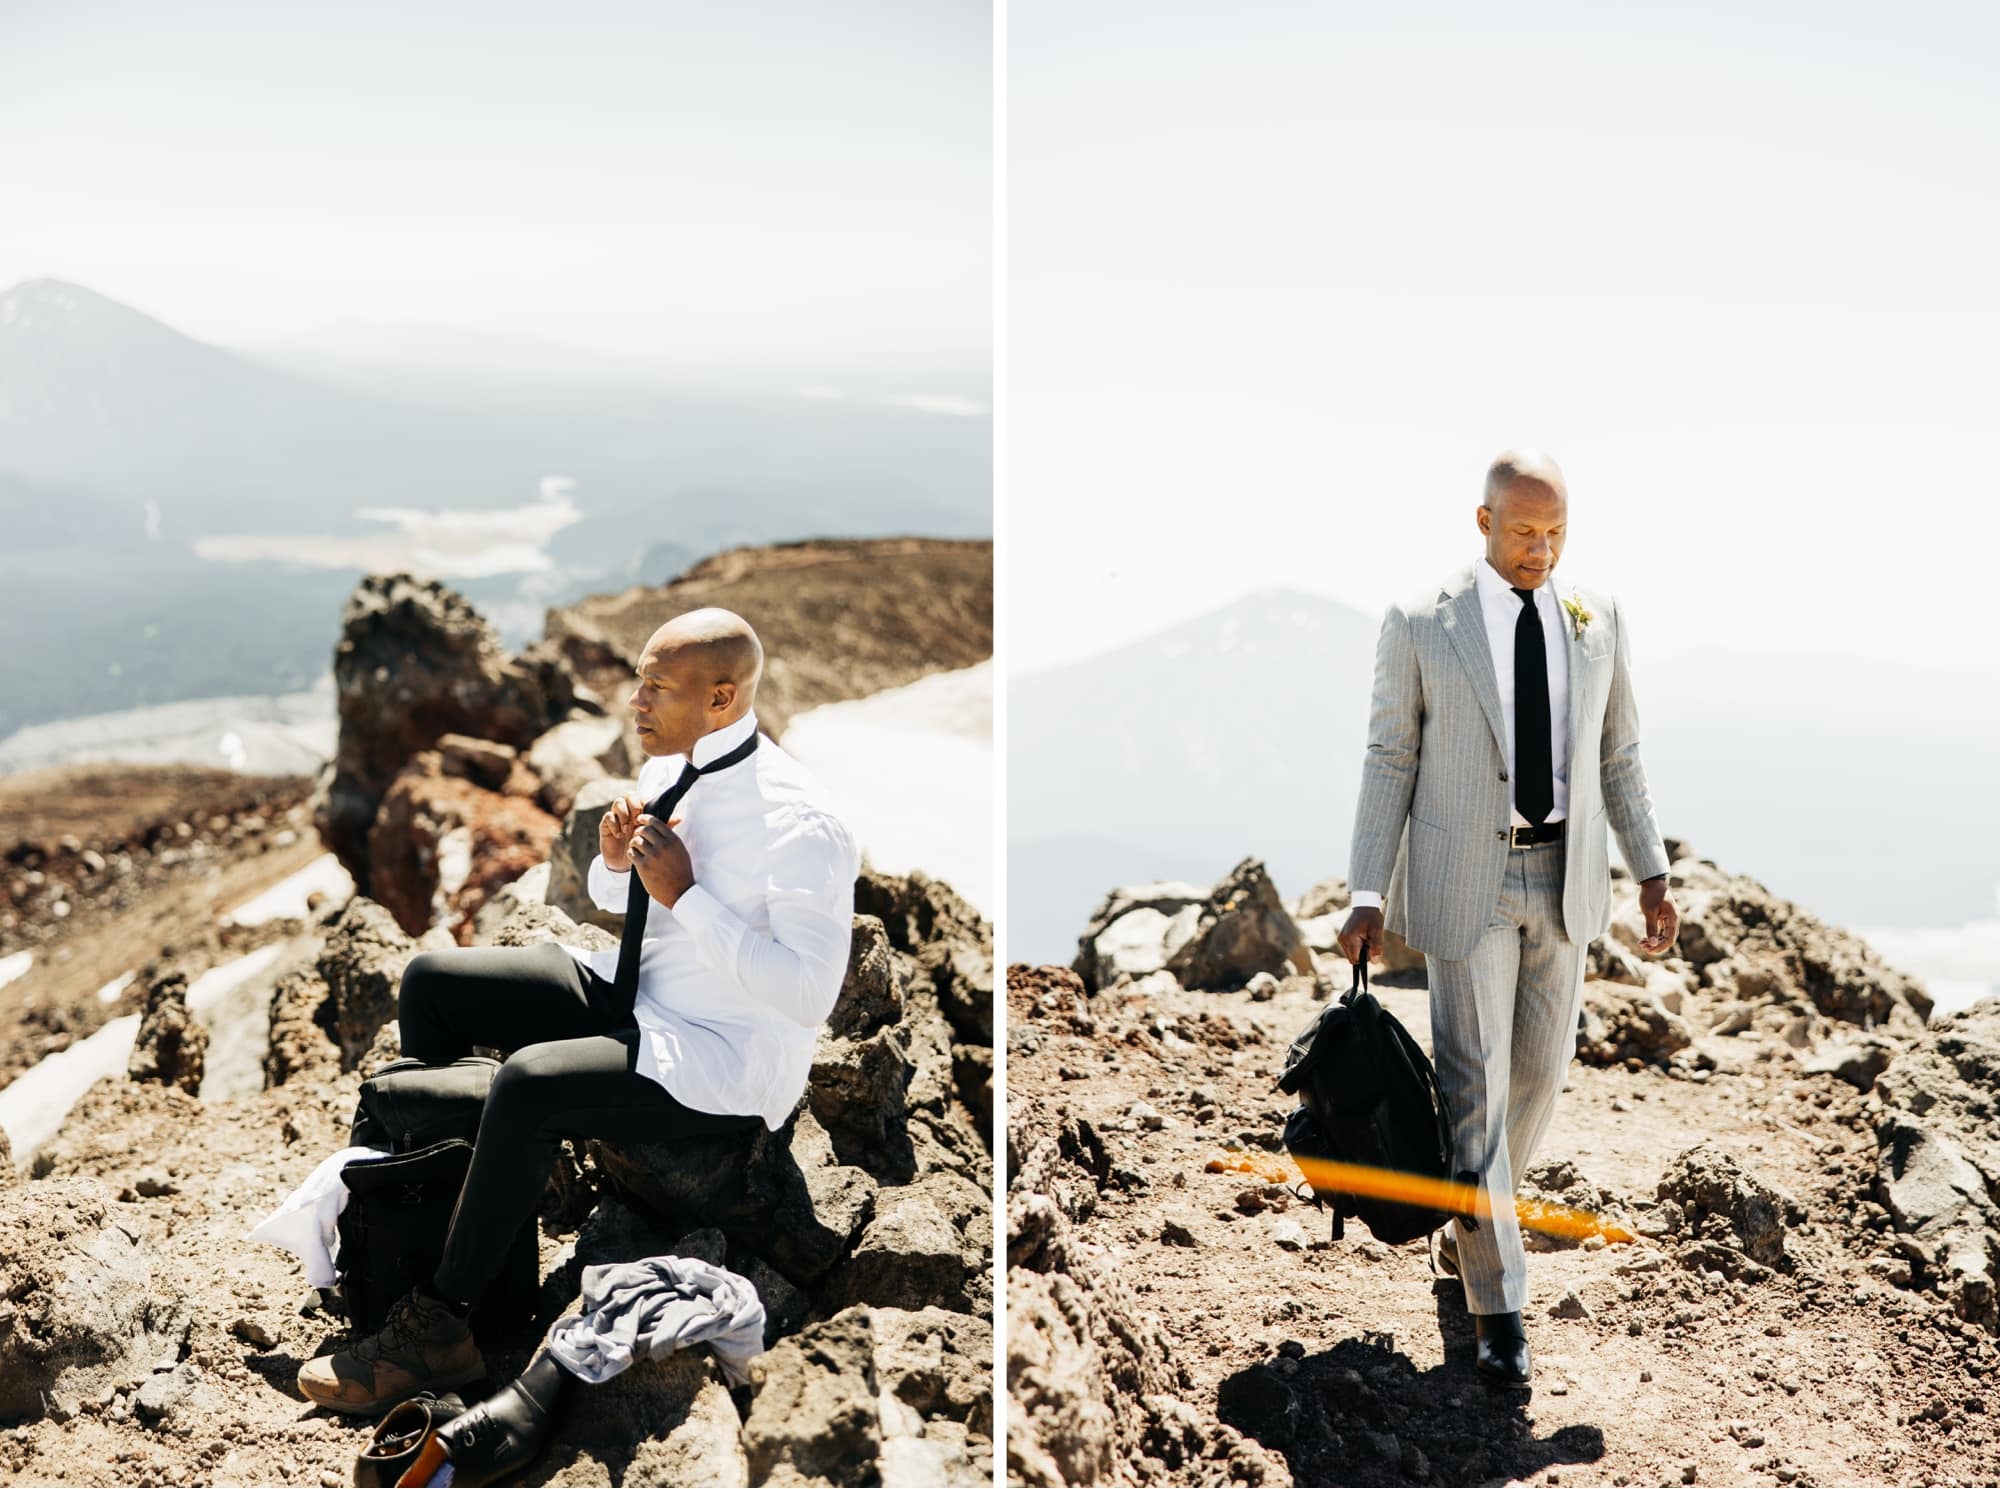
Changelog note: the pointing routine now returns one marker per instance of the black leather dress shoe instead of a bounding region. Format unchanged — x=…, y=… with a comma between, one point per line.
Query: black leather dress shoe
x=393, y=1446
x=1500, y=1351
x=502, y=1435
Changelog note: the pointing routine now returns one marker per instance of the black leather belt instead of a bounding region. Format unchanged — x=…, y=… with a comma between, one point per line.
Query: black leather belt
x=1528, y=837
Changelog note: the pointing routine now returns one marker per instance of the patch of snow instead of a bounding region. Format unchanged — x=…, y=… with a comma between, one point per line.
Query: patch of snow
x=218, y=982
x=912, y=771
x=286, y=900
x=113, y=990
x=34, y=1104
x=15, y=966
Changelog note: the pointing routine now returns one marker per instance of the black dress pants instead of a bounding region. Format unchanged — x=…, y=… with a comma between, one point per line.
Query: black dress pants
x=569, y=1074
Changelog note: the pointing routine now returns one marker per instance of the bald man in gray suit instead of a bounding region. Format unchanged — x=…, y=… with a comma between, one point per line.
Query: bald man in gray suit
x=1502, y=741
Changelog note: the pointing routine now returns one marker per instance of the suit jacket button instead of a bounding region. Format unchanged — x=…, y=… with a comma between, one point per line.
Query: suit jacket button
x=1503, y=775
x=1501, y=835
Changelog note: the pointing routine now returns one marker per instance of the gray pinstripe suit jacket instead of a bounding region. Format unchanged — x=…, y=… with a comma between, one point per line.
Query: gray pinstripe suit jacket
x=1435, y=801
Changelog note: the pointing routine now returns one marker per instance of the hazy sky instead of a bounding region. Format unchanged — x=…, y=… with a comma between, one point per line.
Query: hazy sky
x=1283, y=277
x=786, y=184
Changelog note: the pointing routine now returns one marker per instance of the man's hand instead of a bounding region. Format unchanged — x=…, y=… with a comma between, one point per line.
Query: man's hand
x=1663, y=921
x=661, y=859
x=615, y=829
x=1362, y=936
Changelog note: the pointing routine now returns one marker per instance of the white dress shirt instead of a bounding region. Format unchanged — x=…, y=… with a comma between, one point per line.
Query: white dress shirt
x=1501, y=608
x=736, y=979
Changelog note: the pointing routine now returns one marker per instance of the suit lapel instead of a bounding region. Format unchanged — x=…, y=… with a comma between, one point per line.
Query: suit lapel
x=1466, y=626
x=1579, y=678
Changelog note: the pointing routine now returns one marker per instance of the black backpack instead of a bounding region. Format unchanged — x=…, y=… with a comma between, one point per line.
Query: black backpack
x=400, y=1205
x=1368, y=1097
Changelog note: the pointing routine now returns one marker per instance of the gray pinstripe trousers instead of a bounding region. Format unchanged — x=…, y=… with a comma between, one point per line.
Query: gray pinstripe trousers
x=1503, y=1031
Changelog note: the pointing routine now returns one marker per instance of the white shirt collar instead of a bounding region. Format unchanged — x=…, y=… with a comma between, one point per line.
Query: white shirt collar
x=1493, y=587
x=714, y=745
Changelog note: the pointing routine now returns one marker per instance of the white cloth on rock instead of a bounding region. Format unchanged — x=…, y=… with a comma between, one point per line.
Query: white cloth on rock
x=306, y=1223
x=648, y=1309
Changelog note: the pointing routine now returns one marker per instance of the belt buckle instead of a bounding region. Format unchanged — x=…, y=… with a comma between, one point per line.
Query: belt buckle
x=1523, y=837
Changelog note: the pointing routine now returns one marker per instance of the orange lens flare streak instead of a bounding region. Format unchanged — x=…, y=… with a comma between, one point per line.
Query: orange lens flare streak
x=1414, y=1189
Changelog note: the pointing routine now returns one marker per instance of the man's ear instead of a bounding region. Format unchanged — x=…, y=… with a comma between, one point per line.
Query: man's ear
x=1485, y=519
x=722, y=698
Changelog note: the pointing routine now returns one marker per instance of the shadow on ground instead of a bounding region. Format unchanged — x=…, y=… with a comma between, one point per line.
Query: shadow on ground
x=1360, y=1412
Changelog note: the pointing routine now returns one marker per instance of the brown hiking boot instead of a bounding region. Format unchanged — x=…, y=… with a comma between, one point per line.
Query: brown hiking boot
x=422, y=1346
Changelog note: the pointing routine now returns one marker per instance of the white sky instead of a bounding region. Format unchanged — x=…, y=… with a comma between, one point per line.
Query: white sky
x=1283, y=277
x=785, y=184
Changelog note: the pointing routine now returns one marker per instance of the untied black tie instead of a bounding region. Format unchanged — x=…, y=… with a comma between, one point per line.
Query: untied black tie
x=626, y=983
x=1534, y=771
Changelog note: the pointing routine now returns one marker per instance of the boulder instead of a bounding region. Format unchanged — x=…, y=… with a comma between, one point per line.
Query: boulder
x=1144, y=946
x=1738, y=937
x=573, y=848
x=85, y=1306
x=442, y=845
x=950, y=943
x=171, y=1047
x=784, y=1194
x=532, y=888
x=301, y=1035
x=814, y=1416
x=1938, y=1157
x=1858, y=1060
x=1243, y=929
x=1724, y=1202
x=486, y=763
x=667, y=1421
x=415, y=662
x=1140, y=942
x=937, y=1362
x=362, y=966
x=581, y=749
x=1621, y=1023
x=911, y=1254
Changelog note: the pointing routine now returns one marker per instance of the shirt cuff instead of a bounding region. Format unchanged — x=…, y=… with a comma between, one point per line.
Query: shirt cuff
x=608, y=888
x=1365, y=899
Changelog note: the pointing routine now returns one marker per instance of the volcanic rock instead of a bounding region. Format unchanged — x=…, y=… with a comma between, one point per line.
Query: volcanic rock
x=950, y=942
x=1161, y=918
x=814, y=1418
x=84, y=1305
x=1621, y=1023
x=1243, y=929
x=172, y=1044
x=580, y=750
x=575, y=845
x=441, y=845
x=1938, y=1159
x=416, y=662
x=1723, y=1202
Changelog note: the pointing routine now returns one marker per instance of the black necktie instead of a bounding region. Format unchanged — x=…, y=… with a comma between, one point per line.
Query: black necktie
x=1535, y=780
x=626, y=983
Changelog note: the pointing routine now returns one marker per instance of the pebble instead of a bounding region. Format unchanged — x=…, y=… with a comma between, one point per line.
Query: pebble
x=253, y=1331
x=1289, y=1235
x=1569, y=1305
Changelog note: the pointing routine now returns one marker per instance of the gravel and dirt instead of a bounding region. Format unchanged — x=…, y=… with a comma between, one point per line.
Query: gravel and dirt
x=1232, y=1341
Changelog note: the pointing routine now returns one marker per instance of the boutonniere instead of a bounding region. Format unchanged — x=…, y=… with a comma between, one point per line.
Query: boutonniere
x=1578, y=616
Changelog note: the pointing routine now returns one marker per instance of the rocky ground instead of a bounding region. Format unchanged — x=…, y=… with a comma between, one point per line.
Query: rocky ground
x=103, y=869
x=142, y=1340
x=1808, y=1172
x=839, y=617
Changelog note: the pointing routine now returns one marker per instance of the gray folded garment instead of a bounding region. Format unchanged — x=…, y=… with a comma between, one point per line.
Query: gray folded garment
x=645, y=1310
